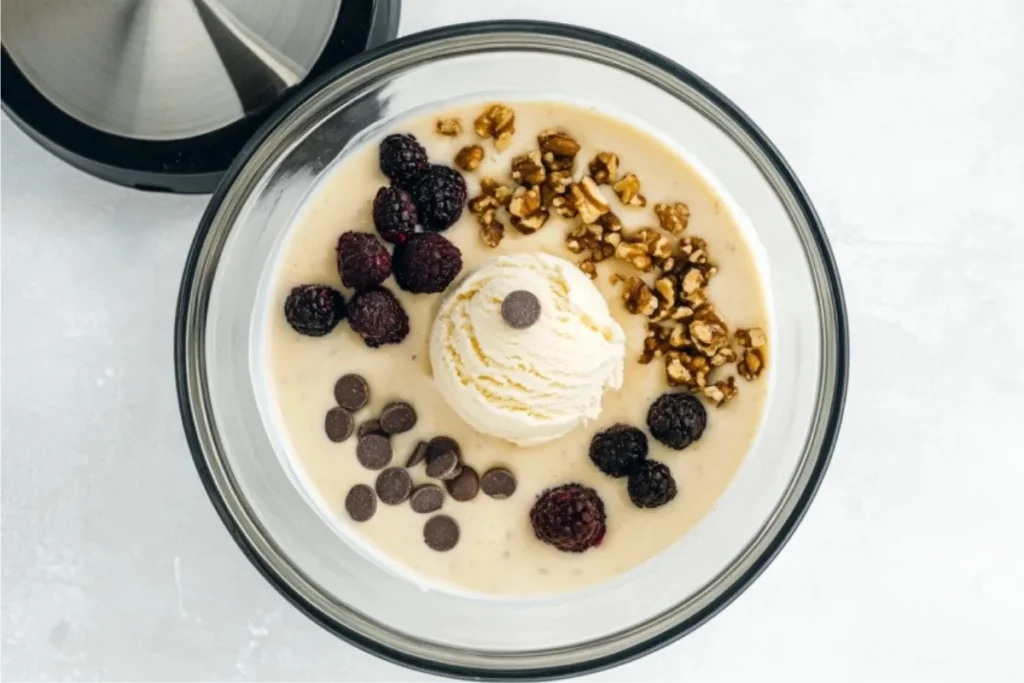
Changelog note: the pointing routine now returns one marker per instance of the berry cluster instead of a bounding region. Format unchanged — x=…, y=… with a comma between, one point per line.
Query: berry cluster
x=422, y=194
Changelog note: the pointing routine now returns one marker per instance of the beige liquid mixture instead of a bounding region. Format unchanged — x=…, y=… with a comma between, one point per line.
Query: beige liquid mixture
x=498, y=552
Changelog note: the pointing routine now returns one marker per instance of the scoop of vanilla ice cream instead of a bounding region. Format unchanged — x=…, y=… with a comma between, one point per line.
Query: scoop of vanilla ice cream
x=531, y=385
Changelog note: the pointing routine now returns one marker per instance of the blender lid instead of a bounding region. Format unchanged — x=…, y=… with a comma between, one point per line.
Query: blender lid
x=163, y=95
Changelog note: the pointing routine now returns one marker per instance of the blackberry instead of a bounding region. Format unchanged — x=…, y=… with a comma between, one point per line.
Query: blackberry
x=394, y=214
x=569, y=517
x=378, y=317
x=651, y=485
x=402, y=158
x=363, y=261
x=677, y=420
x=618, y=450
x=314, y=310
x=426, y=264
x=440, y=194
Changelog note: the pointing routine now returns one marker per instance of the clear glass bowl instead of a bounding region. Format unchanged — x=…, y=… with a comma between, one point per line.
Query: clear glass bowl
x=236, y=448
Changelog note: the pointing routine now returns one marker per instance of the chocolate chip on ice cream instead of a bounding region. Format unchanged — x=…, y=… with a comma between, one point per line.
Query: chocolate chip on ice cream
x=520, y=309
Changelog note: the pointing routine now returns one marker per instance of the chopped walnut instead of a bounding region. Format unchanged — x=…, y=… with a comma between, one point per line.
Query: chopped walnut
x=590, y=239
x=491, y=230
x=635, y=254
x=722, y=356
x=751, y=365
x=721, y=391
x=590, y=269
x=528, y=225
x=558, y=150
x=554, y=189
x=604, y=169
x=558, y=143
x=525, y=202
x=501, y=194
x=638, y=297
x=673, y=217
x=527, y=169
x=469, y=158
x=708, y=332
x=628, y=191
x=687, y=370
x=563, y=207
x=588, y=201
x=643, y=249
x=492, y=197
x=498, y=122
x=753, y=338
x=450, y=126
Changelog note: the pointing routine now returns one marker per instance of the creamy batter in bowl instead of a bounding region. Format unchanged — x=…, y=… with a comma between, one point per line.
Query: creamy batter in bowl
x=237, y=443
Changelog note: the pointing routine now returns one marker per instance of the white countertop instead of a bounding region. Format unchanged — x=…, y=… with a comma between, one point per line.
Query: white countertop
x=904, y=122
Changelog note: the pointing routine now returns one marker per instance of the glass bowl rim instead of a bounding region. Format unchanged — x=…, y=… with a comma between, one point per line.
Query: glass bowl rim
x=831, y=419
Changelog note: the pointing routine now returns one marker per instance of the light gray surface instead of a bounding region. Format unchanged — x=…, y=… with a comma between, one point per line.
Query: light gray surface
x=903, y=121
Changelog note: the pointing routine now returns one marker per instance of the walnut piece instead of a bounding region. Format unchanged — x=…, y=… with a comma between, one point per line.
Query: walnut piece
x=604, y=168
x=469, y=158
x=751, y=365
x=527, y=169
x=721, y=391
x=687, y=370
x=558, y=150
x=449, y=126
x=628, y=191
x=491, y=230
x=752, y=338
x=708, y=332
x=493, y=196
x=525, y=202
x=639, y=298
x=498, y=121
x=528, y=225
x=558, y=143
x=673, y=217
x=588, y=201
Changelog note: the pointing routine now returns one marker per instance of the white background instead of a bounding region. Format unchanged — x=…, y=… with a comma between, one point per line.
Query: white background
x=905, y=121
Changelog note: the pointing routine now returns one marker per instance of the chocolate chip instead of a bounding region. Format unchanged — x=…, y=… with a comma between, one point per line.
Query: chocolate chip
x=393, y=486
x=338, y=424
x=520, y=309
x=444, y=466
x=397, y=417
x=371, y=426
x=418, y=455
x=441, y=533
x=351, y=392
x=465, y=485
x=440, y=445
x=360, y=503
x=498, y=483
x=427, y=498
x=373, y=451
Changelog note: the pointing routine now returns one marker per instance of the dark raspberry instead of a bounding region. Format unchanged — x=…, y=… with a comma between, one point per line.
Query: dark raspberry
x=426, y=264
x=618, y=450
x=363, y=261
x=651, y=485
x=394, y=214
x=569, y=517
x=677, y=420
x=440, y=194
x=378, y=317
x=314, y=310
x=402, y=158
